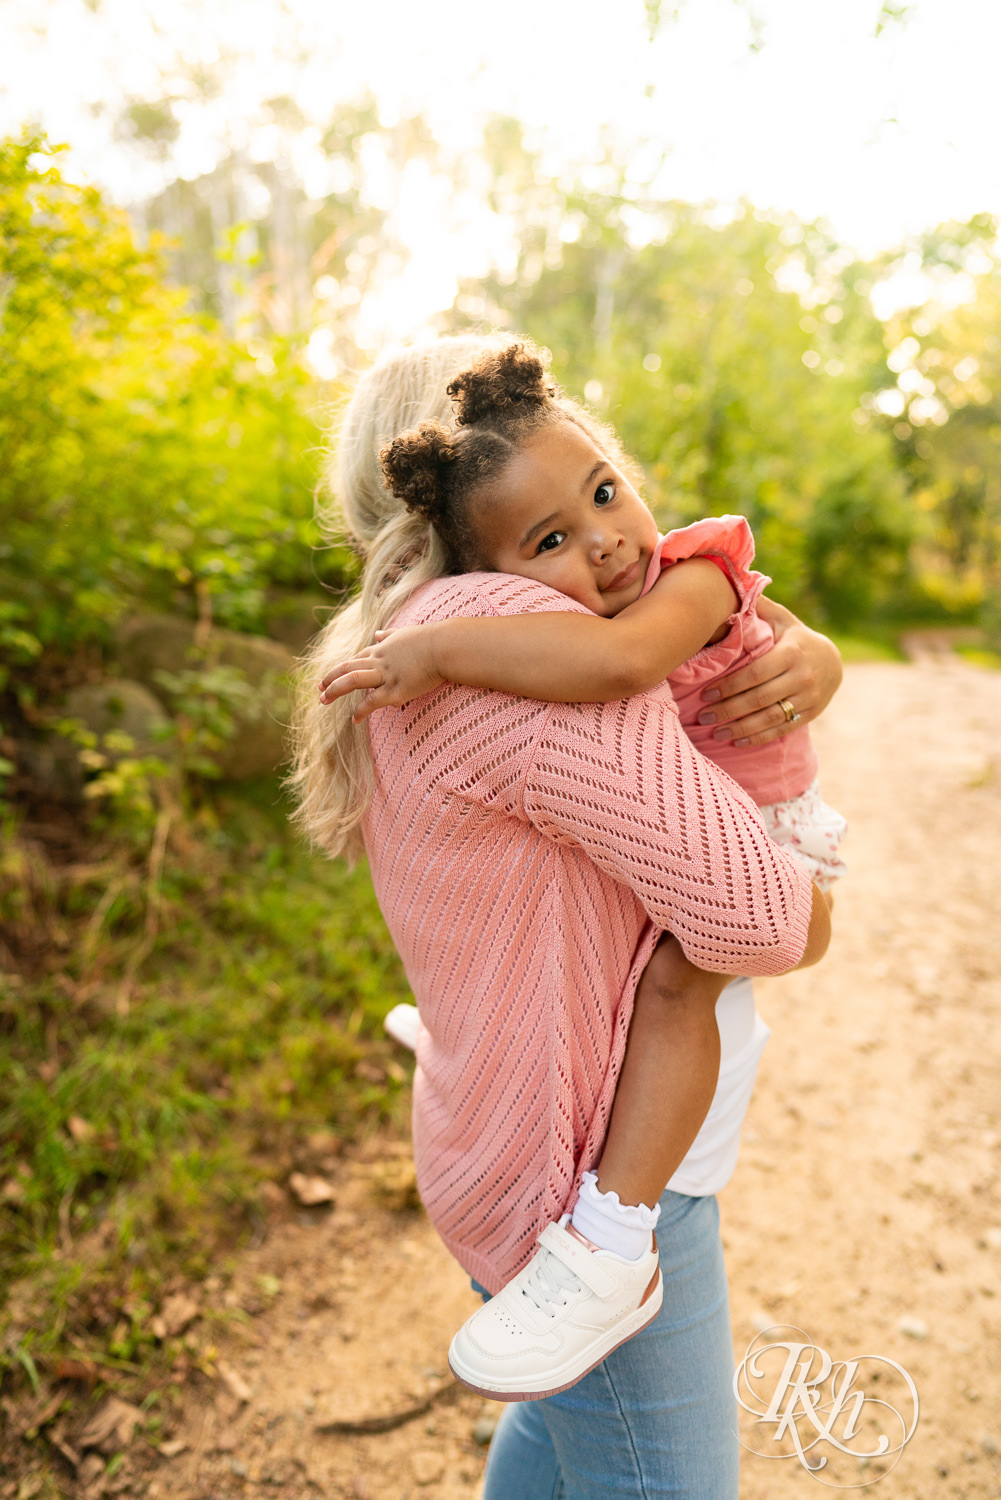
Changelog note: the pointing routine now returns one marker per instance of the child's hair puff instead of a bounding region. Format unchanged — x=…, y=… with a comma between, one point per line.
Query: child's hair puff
x=497, y=402
x=413, y=466
x=506, y=383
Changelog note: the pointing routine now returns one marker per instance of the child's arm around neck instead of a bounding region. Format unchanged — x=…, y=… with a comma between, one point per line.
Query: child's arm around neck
x=559, y=658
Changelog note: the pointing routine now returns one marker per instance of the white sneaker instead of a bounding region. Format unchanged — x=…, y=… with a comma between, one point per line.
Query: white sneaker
x=558, y=1318
x=402, y=1023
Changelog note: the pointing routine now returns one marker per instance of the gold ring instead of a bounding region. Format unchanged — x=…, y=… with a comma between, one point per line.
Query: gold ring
x=788, y=710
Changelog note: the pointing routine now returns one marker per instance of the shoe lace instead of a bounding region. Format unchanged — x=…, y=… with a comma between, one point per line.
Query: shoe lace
x=549, y=1283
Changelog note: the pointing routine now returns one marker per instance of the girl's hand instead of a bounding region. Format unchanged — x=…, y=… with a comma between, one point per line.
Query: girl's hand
x=802, y=668
x=400, y=666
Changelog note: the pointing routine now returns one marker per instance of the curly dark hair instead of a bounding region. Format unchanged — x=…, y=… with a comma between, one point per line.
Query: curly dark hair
x=504, y=397
x=509, y=384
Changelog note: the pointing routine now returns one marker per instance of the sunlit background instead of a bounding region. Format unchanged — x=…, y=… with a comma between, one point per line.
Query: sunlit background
x=880, y=118
x=760, y=235
x=344, y=177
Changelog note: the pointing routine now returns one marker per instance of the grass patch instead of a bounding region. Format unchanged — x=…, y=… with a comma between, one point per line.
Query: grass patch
x=980, y=656
x=142, y=1113
x=881, y=646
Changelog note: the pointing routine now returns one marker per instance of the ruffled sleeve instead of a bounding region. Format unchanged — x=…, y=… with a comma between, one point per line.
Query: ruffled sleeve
x=726, y=537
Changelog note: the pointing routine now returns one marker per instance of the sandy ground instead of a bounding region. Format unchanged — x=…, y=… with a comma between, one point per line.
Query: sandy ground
x=865, y=1208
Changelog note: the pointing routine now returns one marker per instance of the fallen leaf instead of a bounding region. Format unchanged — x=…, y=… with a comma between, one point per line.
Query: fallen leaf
x=92, y=1468
x=172, y=1447
x=177, y=1312
x=311, y=1191
x=80, y=1129
x=78, y=1369
x=233, y=1381
x=112, y=1426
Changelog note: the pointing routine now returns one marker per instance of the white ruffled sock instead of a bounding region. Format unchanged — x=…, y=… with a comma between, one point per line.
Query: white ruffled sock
x=623, y=1228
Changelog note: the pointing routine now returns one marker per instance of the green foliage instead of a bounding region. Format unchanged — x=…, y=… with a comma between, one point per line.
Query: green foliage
x=124, y=786
x=134, y=1137
x=946, y=357
x=142, y=454
x=207, y=700
x=734, y=395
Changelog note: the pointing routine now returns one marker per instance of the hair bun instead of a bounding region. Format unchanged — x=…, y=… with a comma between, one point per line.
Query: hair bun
x=503, y=381
x=415, y=464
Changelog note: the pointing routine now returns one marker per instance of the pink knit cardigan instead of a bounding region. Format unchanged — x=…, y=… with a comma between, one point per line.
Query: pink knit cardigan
x=525, y=856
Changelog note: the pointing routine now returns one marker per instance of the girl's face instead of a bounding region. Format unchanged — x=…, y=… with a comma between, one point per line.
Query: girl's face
x=562, y=513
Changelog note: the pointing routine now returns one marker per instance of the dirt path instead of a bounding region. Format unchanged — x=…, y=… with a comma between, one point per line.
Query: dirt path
x=865, y=1208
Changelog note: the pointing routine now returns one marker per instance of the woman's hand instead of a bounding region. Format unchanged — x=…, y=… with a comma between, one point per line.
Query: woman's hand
x=400, y=666
x=803, y=668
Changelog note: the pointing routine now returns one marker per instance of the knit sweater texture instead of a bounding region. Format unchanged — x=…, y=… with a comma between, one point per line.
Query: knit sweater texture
x=526, y=856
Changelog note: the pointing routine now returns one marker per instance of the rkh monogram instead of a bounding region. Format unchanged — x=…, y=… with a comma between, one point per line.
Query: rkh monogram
x=813, y=1403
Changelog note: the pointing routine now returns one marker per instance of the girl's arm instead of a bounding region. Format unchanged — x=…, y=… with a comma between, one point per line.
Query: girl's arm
x=559, y=658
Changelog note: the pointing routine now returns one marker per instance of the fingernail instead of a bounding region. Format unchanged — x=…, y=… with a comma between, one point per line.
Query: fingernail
x=723, y=734
x=711, y=695
x=742, y=742
x=707, y=718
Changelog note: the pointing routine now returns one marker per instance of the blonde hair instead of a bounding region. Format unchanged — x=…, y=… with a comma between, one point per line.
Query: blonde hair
x=331, y=765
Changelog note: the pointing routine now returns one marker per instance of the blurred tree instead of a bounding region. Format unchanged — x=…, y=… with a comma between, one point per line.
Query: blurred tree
x=945, y=409
x=267, y=251
x=733, y=359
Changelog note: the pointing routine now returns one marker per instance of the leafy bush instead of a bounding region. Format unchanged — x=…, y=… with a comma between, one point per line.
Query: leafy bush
x=145, y=456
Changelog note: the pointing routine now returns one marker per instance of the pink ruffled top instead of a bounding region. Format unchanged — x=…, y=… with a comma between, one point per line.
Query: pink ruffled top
x=525, y=856
x=785, y=767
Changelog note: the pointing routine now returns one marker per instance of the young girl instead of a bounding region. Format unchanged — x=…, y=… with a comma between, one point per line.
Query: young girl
x=530, y=485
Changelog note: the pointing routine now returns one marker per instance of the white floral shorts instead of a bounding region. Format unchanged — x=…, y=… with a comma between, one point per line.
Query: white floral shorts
x=810, y=830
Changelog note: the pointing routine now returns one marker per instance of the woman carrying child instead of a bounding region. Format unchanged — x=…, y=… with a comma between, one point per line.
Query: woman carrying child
x=528, y=855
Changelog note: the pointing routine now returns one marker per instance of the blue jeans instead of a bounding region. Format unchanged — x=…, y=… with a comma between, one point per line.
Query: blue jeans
x=658, y=1416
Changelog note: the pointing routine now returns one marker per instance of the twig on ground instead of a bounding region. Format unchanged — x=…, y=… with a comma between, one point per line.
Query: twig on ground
x=391, y=1419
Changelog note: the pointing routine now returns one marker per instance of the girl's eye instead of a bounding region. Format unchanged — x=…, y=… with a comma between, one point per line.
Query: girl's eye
x=605, y=493
x=552, y=540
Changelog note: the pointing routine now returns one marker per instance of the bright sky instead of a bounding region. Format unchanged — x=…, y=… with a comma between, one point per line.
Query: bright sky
x=881, y=136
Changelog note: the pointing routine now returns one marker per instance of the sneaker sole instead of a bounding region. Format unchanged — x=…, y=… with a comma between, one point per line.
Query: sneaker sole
x=644, y=1314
